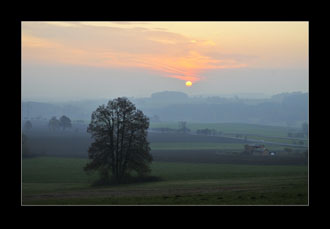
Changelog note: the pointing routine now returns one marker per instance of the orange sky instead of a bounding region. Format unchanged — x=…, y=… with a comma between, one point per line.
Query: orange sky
x=182, y=50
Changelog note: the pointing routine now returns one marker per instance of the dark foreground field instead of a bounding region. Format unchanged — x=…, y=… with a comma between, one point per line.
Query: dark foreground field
x=61, y=181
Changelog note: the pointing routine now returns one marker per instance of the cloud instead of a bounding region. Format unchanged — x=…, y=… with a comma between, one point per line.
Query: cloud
x=62, y=24
x=102, y=45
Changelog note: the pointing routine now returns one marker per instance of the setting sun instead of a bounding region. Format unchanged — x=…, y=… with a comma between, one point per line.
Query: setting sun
x=188, y=83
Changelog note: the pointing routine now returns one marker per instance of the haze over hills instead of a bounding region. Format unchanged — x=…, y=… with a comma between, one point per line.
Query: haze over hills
x=285, y=109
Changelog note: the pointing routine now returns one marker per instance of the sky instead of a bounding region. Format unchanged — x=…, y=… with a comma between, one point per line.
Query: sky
x=91, y=60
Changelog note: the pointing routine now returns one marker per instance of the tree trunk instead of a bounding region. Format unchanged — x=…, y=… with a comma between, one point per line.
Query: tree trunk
x=127, y=153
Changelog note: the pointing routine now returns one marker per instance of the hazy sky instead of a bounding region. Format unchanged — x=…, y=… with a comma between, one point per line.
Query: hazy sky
x=79, y=60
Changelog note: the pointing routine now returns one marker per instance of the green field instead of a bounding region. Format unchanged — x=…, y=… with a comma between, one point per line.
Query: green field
x=237, y=147
x=276, y=134
x=195, y=146
x=278, y=140
x=230, y=128
x=50, y=180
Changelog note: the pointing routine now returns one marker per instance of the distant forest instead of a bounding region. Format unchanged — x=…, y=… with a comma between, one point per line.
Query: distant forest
x=286, y=109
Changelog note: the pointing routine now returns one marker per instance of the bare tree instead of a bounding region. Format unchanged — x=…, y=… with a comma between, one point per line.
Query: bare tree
x=183, y=127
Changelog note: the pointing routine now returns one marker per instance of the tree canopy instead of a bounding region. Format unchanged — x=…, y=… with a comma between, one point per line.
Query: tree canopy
x=65, y=122
x=54, y=123
x=120, y=142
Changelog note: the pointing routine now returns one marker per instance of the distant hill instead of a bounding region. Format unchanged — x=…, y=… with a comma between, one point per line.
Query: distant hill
x=36, y=110
x=286, y=109
x=169, y=96
x=291, y=110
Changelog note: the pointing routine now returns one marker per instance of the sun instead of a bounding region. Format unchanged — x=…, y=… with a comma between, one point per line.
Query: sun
x=188, y=83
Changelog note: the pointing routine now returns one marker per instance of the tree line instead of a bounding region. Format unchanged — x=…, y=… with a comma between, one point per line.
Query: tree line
x=54, y=124
x=119, y=147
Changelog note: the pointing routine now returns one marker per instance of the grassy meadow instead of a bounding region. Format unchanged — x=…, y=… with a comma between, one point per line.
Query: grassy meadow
x=230, y=147
x=54, y=180
x=230, y=128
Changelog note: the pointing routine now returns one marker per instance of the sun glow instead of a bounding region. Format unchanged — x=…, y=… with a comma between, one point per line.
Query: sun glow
x=188, y=83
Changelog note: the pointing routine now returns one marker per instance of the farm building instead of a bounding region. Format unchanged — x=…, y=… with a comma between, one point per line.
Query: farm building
x=255, y=149
x=272, y=153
